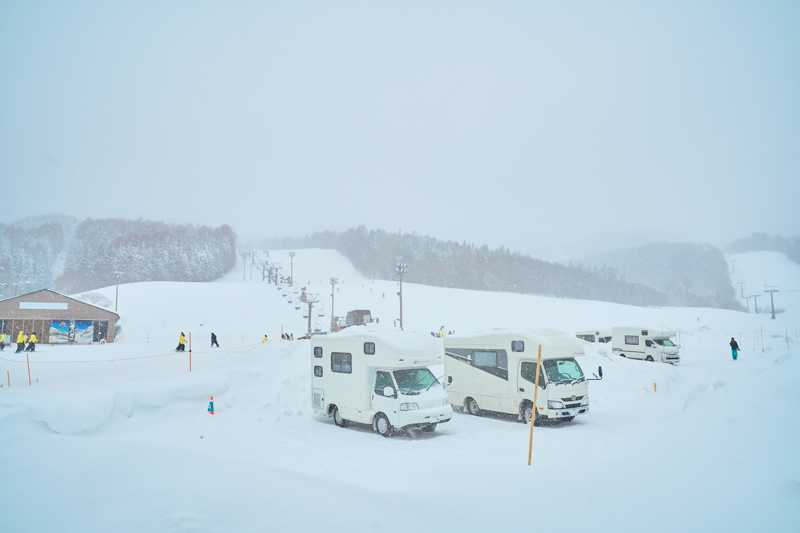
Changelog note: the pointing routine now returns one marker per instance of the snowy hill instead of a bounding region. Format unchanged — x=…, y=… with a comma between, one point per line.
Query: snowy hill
x=703, y=451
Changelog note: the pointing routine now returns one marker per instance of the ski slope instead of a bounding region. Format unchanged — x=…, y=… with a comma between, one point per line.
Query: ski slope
x=705, y=451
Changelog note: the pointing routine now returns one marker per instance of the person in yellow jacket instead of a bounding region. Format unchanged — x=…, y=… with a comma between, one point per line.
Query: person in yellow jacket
x=181, y=343
x=32, y=343
x=265, y=339
x=21, y=338
x=2, y=341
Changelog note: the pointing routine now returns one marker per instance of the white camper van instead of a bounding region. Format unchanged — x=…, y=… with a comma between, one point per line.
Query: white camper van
x=496, y=371
x=590, y=336
x=645, y=343
x=380, y=379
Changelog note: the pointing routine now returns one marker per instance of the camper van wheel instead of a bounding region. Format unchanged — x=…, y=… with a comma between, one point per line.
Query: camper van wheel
x=527, y=413
x=429, y=428
x=472, y=407
x=382, y=426
x=337, y=418
x=649, y=358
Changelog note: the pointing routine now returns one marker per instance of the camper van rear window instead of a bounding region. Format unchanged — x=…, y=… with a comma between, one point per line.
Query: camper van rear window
x=517, y=346
x=317, y=351
x=318, y=371
x=484, y=359
x=341, y=362
x=632, y=339
x=369, y=348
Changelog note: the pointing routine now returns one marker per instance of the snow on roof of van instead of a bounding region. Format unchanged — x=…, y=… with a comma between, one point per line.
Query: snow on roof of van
x=406, y=341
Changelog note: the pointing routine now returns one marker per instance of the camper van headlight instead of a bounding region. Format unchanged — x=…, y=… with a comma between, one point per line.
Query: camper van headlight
x=553, y=404
x=585, y=401
x=408, y=407
x=446, y=401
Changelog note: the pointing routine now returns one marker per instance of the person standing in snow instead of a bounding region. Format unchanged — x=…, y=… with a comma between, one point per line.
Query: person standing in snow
x=2, y=341
x=265, y=339
x=214, y=340
x=21, y=338
x=181, y=343
x=734, y=348
x=32, y=345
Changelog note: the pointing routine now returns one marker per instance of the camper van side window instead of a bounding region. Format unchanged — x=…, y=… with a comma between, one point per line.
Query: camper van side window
x=318, y=371
x=341, y=362
x=369, y=348
x=484, y=359
x=318, y=352
x=517, y=346
x=632, y=339
x=382, y=380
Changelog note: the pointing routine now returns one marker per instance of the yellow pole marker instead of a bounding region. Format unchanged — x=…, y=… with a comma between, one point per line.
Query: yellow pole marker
x=533, y=411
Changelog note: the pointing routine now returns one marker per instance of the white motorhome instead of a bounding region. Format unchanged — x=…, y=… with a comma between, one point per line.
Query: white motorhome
x=378, y=378
x=645, y=343
x=590, y=336
x=496, y=371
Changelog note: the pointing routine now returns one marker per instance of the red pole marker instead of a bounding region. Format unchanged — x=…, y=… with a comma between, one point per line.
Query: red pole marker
x=211, y=406
x=29, y=369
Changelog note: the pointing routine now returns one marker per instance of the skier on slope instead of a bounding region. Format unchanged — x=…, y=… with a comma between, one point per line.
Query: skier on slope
x=181, y=343
x=214, y=340
x=21, y=339
x=734, y=348
x=265, y=339
x=32, y=344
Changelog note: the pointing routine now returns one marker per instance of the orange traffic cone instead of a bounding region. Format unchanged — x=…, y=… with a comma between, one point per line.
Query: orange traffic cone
x=211, y=406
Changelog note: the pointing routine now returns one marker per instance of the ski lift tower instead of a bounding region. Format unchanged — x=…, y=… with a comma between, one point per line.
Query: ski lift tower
x=334, y=281
x=310, y=299
x=401, y=268
x=771, y=301
x=291, y=269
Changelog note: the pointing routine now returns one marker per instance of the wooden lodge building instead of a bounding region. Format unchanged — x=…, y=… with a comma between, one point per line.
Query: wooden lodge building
x=56, y=319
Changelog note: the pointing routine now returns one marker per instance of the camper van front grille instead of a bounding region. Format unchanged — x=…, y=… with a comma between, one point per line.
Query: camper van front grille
x=571, y=405
x=572, y=399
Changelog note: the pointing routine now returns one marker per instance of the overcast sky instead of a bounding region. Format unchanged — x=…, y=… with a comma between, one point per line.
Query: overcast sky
x=531, y=125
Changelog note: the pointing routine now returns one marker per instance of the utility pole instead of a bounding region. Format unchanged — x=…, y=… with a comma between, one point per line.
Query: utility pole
x=741, y=288
x=334, y=281
x=733, y=265
x=747, y=301
x=244, y=264
x=401, y=268
x=771, y=301
x=118, y=274
x=755, y=301
x=291, y=270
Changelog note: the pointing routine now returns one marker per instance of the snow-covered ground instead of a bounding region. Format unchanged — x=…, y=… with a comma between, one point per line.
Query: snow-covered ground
x=133, y=449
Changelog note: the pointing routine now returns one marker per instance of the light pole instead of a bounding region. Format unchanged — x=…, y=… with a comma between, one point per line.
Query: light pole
x=401, y=268
x=118, y=274
x=771, y=301
x=334, y=281
x=291, y=269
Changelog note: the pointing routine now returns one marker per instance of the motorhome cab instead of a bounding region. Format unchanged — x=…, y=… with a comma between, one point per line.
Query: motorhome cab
x=496, y=371
x=590, y=336
x=380, y=379
x=645, y=343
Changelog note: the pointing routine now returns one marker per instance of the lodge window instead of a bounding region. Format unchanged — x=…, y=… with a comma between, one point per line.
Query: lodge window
x=341, y=362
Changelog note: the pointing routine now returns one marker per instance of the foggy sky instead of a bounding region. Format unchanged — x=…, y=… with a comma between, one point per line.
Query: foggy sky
x=528, y=125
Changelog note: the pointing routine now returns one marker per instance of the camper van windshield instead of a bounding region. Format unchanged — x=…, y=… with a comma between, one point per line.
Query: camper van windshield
x=562, y=370
x=414, y=379
x=663, y=342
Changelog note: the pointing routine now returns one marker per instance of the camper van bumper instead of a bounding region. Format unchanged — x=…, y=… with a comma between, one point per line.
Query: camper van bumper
x=563, y=413
x=424, y=417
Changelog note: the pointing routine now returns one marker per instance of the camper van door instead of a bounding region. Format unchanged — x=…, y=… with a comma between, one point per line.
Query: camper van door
x=381, y=403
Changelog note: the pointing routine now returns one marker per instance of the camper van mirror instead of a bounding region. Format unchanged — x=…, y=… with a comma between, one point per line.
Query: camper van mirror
x=388, y=392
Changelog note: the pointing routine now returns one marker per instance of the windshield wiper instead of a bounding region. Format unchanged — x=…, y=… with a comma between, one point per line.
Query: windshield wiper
x=435, y=382
x=410, y=389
